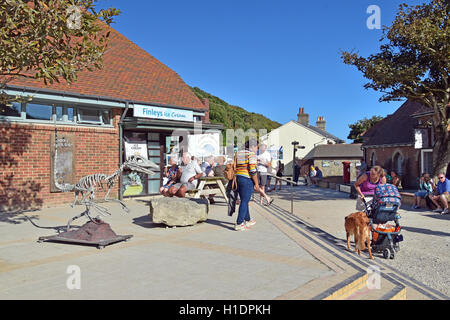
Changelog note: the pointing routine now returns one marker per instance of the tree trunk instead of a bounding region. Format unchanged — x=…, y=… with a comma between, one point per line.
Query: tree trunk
x=441, y=151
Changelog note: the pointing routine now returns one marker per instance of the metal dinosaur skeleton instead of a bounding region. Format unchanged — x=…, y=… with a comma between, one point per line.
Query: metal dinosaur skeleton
x=89, y=184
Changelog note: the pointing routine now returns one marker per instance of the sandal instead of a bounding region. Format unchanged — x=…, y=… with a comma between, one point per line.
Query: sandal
x=270, y=202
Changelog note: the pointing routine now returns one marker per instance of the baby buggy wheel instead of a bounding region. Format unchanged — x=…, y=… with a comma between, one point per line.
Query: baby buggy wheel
x=387, y=253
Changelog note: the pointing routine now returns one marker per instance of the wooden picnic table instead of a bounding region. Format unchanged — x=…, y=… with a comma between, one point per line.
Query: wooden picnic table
x=205, y=181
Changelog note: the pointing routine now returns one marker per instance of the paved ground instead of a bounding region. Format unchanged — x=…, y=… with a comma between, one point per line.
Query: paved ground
x=425, y=251
x=206, y=261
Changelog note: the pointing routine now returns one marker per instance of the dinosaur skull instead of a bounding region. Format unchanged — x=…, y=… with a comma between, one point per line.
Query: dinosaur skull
x=140, y=164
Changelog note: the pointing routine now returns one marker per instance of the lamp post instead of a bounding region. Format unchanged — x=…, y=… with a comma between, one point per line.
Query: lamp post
x=296, y=146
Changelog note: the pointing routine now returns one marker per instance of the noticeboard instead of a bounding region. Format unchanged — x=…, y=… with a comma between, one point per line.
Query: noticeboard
x=64, y=162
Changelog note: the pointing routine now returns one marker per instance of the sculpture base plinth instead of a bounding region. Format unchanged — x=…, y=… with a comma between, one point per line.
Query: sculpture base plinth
x=96, y=233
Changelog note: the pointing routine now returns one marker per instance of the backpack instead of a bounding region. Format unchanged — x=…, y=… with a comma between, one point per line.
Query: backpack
x=230, y=172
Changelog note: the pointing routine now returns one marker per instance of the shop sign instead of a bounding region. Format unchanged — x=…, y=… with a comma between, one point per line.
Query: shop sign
x=141, y=111
x=136, y=148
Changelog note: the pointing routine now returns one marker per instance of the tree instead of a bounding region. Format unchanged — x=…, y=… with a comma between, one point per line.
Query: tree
x=51, y=40
x=414, y=63
x=361, y=126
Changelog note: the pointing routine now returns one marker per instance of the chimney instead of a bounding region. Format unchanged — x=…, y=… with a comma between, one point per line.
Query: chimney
x=302, y=117
x=321, y=123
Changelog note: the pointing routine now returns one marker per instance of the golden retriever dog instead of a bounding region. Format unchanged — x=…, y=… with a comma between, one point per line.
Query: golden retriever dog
x=356, y=224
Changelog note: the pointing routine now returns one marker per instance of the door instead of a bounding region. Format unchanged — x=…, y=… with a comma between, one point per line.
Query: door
x=155, y=154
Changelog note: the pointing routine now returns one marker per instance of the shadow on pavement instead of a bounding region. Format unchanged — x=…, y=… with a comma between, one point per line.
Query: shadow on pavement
x=426, y=231
x=304, y=193
x=223, y=224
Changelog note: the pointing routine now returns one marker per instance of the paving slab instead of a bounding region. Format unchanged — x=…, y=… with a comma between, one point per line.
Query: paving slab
x=206, y=261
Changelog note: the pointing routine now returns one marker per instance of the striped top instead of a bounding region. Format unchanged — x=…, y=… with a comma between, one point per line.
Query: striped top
x=246, y=163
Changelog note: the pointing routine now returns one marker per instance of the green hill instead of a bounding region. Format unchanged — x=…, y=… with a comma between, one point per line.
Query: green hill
x=233, y=117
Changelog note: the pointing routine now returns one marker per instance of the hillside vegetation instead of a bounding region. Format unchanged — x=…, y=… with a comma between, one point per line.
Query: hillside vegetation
x=233, y=117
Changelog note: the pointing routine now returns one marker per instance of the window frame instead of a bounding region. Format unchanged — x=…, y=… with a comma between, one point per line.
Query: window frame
x=65, y=114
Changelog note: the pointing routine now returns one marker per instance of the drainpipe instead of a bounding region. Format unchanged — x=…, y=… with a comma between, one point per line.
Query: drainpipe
x=121, y=147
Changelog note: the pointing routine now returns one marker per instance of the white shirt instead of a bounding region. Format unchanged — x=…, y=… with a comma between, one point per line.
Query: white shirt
x=263, y=158
x=189, y=171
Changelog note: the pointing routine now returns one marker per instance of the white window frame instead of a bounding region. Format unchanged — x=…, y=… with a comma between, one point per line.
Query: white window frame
x=422, y=169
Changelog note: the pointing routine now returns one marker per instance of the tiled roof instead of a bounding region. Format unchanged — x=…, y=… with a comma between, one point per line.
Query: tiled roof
x=129, y=73
x=321, y=132
x=395, y=129
x=335, y=151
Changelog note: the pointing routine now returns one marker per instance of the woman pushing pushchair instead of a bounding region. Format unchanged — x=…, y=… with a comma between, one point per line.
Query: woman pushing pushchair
x=366, y=184
x=380, y=201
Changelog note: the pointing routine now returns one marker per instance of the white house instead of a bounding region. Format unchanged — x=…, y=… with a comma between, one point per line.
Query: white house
x=307, y=135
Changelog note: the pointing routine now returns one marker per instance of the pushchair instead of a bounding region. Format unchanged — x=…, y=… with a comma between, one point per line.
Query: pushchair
x=384, y=206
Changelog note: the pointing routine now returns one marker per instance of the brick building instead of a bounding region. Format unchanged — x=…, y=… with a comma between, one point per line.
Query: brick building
x=93, y=121
x=402, y=142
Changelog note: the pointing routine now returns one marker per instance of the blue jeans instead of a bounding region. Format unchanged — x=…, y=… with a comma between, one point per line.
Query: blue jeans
x=245, y=190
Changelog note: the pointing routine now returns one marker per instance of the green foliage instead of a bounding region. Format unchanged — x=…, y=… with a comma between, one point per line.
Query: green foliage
x=51, y=40
x=233, y=117
x=414, y=63
x=361, y=126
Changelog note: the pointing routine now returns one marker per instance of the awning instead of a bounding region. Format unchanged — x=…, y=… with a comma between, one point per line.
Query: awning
x=168, y=125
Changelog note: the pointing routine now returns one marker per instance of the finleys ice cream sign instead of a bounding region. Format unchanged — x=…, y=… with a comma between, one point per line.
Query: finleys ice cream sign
x=162, y=113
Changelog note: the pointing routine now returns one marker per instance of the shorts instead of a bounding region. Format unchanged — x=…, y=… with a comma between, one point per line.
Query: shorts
x=360, y=205
x=421, y=194
x=188, y=185
x=262, y=179
x=446, y=196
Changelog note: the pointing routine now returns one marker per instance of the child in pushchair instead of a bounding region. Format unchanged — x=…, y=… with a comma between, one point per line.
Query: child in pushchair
x=384, y=206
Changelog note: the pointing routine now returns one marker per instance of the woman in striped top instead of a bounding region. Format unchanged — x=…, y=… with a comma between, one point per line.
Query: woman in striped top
x=247, y=182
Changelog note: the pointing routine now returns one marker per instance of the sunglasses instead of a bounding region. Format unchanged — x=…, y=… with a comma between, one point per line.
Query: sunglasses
x=441, y=177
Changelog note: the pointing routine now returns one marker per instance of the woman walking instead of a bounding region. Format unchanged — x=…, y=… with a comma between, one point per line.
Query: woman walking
x=247, y=182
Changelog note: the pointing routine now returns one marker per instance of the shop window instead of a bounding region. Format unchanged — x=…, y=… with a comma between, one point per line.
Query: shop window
x=94, y=116
x=59, y=111
x=70, y=114
x=39, y=111
x=106, y=117
x=11, y=109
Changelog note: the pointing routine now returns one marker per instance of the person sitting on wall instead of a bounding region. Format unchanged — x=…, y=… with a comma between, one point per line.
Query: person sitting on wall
x=318, y=176
x=190, y=172
x=442, y=195
x=394, y=179
x=426, y=187
x=172, y=174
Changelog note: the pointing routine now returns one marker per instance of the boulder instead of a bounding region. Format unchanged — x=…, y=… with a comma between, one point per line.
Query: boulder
x=179, y=211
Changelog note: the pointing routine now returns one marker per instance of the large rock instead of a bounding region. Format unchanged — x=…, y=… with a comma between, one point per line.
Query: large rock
x=179, y=211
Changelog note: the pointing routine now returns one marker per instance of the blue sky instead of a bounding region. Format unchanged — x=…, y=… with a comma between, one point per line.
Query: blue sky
x=269, y=57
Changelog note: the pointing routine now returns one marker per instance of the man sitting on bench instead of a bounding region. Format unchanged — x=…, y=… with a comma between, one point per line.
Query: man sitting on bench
x=190, y=172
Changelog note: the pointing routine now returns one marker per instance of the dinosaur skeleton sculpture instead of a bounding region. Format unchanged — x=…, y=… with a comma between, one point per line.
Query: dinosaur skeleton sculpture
x=87, y=185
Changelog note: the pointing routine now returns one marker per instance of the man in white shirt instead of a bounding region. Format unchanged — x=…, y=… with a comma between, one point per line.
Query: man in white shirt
x=264, y=162
x=190, y=172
